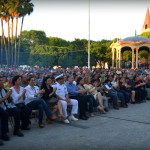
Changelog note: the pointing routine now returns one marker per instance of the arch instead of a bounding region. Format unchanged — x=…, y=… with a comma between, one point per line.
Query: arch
x=144, y=48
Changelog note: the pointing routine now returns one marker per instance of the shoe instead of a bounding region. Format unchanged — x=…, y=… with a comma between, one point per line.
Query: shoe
x=132, y=102
x=62, y=117
x=18, y=133
x=83, y=118
x=1, y=143
x=125, y=106
x=72, y=118
x=66, y=121
x=41, y=125
x=25, y=128
x=5, y=137
x=52, y=118
x=49, y=121
x=106, y=109
x=86, y=116
x=117, y=108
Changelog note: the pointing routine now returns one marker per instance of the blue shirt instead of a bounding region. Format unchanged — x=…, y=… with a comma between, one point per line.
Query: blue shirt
x=108, y=87
x=72, y=89
x=143, y=72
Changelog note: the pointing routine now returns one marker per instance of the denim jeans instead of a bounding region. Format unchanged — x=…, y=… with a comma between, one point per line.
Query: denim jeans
x=40, y=104
x=114, y=97
x=121, y=97
x=92, y=102
x=0, y=128
x=105, y=101
x=4, y=121
x=15, y=112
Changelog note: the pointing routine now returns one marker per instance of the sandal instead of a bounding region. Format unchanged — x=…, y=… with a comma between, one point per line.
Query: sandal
x=62, y=117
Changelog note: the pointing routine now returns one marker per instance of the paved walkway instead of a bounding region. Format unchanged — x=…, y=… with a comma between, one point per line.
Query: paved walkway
x=124, y=129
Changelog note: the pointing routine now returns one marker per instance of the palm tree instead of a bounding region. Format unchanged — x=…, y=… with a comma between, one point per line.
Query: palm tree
x=7, y=19
x=1, y=52
x=11, y=9
x=26, y=8
x=2, y=17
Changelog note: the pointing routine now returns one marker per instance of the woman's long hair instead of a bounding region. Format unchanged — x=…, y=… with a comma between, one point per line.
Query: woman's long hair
x=43, y=85
x=78, y=80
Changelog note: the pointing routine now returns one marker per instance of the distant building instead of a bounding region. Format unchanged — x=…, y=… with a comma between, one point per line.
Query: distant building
x=146, y=25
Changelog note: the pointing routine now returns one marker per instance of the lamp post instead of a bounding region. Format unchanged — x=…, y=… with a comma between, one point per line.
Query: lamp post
x=89, y=40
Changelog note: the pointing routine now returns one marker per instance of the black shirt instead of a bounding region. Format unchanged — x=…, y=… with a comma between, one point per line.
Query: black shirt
x=47, y=92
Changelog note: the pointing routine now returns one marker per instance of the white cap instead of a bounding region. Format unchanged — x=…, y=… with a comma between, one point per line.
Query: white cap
x=61, y=75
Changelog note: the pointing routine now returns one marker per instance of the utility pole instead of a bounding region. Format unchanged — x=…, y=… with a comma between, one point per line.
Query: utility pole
x=89, y=40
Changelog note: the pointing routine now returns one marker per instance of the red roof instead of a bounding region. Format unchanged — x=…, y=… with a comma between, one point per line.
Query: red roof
x=147, y=20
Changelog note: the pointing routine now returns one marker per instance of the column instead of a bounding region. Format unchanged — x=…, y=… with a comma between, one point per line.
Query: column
x=113, y=57
x=132, y=58
x=116, y=58
x=119, y=58
x=137, y=53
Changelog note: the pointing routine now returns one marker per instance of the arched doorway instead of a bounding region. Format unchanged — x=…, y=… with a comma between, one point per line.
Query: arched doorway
x=144, y=57
x=126, y=53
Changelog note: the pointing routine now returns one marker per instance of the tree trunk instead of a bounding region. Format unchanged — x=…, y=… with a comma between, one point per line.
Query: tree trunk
x=8, y=43
x=12, y=53
x=20, y=39
x=4, y=41
x=1, y=52
x=16, y=41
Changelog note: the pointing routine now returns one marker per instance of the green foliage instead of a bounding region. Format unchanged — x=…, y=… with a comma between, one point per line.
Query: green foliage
x=55, y=41
x=35, y=37
x=127, y=55
x=37, y=49
x=146, y=34
x=143, y=55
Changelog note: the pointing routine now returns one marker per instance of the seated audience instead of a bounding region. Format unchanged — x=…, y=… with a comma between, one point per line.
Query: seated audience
x=93, y=90
x=9, y=109
x=17, y=93
x=33, y=100
x=74, y=92
x=50, y=96
x=63, y=97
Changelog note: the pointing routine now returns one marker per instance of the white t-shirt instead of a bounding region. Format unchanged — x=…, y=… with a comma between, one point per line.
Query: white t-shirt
x=15, y=95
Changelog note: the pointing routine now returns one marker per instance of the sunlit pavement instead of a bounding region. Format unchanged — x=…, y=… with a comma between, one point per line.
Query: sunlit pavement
x=124, y=129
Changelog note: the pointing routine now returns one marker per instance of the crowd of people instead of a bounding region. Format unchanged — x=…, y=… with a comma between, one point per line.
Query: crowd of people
x=81, y=90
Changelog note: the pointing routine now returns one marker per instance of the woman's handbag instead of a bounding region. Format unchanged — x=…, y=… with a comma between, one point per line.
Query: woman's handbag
x=52, y=100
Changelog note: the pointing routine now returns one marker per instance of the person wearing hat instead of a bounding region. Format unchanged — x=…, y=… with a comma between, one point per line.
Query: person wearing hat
x=63, y=97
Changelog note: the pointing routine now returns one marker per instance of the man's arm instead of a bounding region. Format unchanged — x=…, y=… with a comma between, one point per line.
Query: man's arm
x=6, y=97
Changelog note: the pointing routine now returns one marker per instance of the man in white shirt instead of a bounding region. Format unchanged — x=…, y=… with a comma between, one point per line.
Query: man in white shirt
x=63, y=97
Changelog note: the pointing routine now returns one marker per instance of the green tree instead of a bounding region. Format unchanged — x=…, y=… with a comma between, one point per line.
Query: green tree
x=35, y=38
x=26, y=8
x=146, y=34
x=55, y=41
x=143, y=55
x=127, y=55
